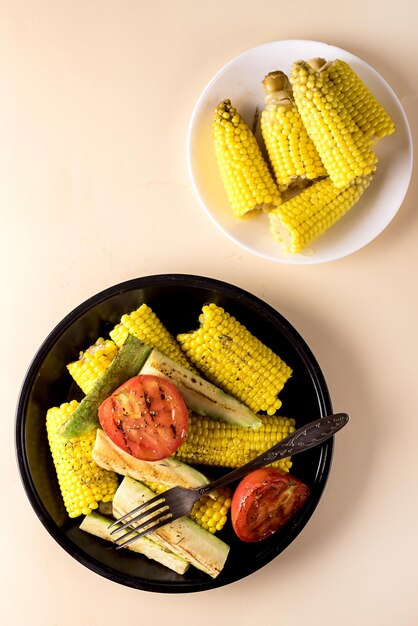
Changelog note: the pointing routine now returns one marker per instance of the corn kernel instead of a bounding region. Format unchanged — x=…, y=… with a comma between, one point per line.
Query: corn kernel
x=303, y=218
x=144, y=324
x=82, y=482
x=209, y=442
x=366, y=111
x=92, y=363
x=325, y=126
x=248, y=183
x=228, y=346
x=211, y=507
x=291, y=152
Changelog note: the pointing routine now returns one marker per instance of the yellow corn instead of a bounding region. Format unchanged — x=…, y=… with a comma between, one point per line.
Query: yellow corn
x=212, y=442
x=366, y=111
x=82, y=482
x=146, y=326
x=92, y=363
x=236, y=361
x=344, y=150
x=305, y=217
x=292, y=153
x=209, y=512
x=246, y=177
x=212, y=514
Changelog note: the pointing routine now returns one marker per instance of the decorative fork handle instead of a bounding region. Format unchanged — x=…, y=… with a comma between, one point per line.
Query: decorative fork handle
x=304, y=438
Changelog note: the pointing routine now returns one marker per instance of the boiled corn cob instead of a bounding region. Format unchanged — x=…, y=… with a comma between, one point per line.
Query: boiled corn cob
x=292, y=153
x=92, y=363
x=82, y=482
x=366, y=111
x=344, y=150
x=209, y=512
x=236, y=361
x=248, y=182
x=144, y=324
x=303, y=218
x=211, y=442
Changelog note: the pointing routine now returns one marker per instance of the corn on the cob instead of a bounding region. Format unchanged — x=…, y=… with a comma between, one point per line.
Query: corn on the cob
x=366, y=111
x=292, y=153
x=92, y=363
x=82, y=482
x=236, y=361
x=146, y=326
x=211, y=442
x=303, y=218
x=248, y=182
x=344, y=150
x=209, y=512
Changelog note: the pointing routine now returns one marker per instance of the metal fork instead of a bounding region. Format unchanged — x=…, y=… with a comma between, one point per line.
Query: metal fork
x=179, y=501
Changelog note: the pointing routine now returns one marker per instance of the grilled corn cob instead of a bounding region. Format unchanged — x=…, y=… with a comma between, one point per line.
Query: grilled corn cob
x=92, y=363
x=236, y=361
x=248, y=182
x=146, y=326
x=366, y=111
x=82, y=482
x=209, y=512
x=344, y=150
x=303, y=218
x=210, y=442
x=292, y=153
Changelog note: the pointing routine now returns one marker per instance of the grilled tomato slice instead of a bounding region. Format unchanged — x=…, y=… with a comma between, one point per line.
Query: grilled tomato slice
x=146, y=417
x=264, y=501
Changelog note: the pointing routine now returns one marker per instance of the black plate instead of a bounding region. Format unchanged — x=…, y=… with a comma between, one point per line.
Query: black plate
x=177, y=300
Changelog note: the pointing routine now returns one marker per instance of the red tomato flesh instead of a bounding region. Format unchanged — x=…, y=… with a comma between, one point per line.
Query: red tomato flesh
x=146, y=417
x=264, y=502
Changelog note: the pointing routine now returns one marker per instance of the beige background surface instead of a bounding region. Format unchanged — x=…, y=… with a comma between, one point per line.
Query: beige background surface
x=95, y=101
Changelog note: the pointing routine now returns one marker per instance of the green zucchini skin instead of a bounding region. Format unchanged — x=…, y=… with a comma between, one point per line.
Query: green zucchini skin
x=126, y=364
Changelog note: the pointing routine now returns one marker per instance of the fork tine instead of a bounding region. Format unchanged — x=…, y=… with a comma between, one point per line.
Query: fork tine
x=159, y=506
x=144, y=532
x=145, y=524
x=158, y=498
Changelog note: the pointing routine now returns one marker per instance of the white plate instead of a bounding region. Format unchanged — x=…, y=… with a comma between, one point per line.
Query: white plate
x=240, y=81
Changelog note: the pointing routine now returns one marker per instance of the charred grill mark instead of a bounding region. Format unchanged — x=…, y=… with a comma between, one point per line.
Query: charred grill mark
x=148, y=400
x=161, y=392
x=119, y=426
x=173, y=430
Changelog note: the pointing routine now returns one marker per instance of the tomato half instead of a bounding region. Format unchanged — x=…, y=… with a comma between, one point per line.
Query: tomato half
x=146, y=417
x=264, y=501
